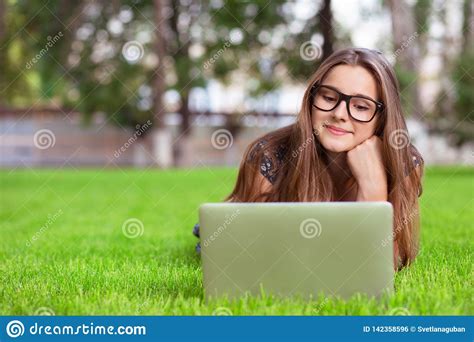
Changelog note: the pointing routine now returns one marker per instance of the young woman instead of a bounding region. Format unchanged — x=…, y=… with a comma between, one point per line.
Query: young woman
x=349, y=143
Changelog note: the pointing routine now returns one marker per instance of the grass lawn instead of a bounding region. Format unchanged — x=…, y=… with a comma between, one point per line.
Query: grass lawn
x=63, y=252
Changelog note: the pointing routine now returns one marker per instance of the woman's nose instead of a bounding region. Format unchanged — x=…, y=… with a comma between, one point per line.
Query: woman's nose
x=340, y=112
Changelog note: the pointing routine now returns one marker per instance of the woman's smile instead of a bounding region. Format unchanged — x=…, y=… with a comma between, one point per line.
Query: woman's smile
x=336, y=130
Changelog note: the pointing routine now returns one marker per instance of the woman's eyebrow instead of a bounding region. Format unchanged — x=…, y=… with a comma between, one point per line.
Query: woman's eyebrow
x=358, y=94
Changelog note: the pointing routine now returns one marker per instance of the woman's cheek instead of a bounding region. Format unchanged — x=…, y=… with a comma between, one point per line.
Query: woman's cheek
x=362, y=133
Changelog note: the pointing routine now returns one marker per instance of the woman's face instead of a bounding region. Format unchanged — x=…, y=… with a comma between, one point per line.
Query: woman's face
x=350, y=80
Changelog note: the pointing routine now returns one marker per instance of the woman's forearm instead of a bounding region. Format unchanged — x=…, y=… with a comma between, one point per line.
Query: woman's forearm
x=372, y=192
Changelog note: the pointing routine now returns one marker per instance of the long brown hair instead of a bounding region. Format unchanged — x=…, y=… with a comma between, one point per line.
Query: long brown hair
x=303, y=175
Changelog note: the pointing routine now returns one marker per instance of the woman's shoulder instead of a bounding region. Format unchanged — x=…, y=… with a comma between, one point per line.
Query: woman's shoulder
x=416, y=158
x=270, y=157
x=261, y=147
x=417, y=163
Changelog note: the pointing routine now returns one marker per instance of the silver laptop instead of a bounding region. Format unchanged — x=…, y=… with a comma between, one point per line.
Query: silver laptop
x=297, y=249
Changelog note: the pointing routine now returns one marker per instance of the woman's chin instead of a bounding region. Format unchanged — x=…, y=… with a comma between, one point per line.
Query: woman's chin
x=336, y=146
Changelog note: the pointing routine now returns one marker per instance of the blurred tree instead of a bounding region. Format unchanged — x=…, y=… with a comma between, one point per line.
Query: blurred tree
x=3, y=60
x=407, y=54
x=326, y=25
x=443, y=110
x=422, y=11
x=453, y=113
x=463, y=81
x=273, y=44
x=116, y=58
x=163, y=150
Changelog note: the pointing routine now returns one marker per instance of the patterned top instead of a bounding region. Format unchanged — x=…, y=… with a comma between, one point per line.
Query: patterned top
x=270, y=171
x=267, y=166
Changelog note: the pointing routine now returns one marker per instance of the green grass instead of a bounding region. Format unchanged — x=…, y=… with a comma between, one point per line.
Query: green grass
x=82, y=264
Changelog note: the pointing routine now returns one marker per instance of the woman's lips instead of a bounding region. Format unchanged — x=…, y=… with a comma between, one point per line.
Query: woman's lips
x=336, y=130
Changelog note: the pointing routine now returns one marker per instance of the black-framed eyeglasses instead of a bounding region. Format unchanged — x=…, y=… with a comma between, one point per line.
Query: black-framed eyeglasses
x=360, y=108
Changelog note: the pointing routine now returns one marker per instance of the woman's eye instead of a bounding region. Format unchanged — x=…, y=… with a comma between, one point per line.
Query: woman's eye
x=361, y=108
x=328, y=98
